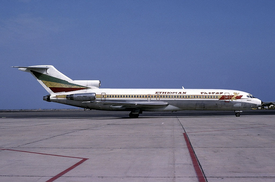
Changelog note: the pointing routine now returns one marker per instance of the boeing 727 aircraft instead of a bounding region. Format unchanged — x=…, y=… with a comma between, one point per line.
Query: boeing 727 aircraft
x=87, y=94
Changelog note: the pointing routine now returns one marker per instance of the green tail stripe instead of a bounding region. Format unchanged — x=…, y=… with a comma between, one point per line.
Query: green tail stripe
x=44, y=77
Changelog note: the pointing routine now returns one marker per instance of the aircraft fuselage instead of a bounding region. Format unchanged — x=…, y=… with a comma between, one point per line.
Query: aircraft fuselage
x=161, y=99
x=87, y=94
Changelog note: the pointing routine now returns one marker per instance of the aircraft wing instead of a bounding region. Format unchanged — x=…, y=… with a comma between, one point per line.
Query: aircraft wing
x=135, y=105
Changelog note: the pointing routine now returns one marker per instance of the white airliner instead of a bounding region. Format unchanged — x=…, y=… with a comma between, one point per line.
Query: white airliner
x=87, y=94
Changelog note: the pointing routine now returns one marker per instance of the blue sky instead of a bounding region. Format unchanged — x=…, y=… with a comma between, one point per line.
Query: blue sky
x=138, y=44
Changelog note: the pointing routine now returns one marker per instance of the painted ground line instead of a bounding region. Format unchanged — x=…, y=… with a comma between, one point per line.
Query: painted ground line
x=54, y=155
x=200, y=175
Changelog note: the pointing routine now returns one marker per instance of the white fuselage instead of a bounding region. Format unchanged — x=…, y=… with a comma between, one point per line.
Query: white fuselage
x=162, y=99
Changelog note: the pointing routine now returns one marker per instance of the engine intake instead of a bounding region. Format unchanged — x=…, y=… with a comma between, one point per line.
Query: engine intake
x=82, y=97
x=47, y=98
x=88, y=83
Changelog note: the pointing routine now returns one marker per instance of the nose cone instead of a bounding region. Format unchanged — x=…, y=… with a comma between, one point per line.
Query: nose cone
x=256, y=103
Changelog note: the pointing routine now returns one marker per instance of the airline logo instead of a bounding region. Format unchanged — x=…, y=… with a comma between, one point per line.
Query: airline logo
x=231, y=97
x=221, y=95
x=57, y=85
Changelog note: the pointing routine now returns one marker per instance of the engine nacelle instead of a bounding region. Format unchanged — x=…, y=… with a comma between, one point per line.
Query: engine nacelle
x=82, y=97
x=47, y=98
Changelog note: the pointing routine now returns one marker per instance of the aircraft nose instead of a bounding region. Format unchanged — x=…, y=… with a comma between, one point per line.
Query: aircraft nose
x=258, y=102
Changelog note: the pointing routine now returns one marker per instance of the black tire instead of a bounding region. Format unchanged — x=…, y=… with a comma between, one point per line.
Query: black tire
x=133, y=115
x=237, y=114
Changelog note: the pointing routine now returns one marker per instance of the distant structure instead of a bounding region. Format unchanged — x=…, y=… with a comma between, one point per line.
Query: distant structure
x=268, y=105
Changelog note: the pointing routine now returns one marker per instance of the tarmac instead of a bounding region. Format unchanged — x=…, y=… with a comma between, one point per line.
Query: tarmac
x=101, y=146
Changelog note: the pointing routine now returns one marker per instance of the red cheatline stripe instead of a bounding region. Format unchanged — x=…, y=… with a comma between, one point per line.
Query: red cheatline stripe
x=196, y=165
x=63, y=172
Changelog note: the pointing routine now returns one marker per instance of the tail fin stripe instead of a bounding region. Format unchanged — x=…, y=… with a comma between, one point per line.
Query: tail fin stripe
x=57, y=85
x=44, y=77
x=63, y=89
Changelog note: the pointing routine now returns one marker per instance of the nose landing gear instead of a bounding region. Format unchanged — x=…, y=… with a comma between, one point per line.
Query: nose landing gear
x=238, y=113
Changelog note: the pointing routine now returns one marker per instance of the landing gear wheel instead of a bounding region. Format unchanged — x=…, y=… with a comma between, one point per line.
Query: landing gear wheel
x=237, y=114
x=131, y=115
x=135, y=113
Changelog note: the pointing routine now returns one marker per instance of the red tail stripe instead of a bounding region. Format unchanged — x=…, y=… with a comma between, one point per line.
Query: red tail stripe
x=63, y=89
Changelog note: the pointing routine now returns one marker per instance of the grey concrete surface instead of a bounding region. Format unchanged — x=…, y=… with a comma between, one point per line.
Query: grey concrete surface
x=149, y=148
x=234, y=149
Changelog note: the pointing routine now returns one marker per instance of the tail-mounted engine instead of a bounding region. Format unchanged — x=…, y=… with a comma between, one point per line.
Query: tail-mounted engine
x=47, y=98
x=88, y=83
x=82, y=97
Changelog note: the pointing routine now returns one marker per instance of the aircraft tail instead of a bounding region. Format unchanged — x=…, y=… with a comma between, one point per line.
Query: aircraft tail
x=54, y=81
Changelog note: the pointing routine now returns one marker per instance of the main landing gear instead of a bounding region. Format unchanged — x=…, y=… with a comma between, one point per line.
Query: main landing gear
x=238, y=113
x=135, y=113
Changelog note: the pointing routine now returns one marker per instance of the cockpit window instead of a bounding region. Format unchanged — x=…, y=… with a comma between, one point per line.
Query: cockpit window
x=250, y=96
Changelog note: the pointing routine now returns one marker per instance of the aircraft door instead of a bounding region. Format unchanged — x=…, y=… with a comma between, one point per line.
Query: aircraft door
x=103, y=96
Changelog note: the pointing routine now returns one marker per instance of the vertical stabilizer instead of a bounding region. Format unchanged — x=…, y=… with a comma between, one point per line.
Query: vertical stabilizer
x=51, y=79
